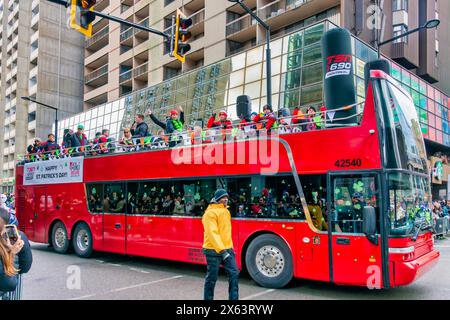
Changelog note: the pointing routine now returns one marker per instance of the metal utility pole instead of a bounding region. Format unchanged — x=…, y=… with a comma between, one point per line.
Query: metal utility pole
x=47, y=106
x=268, y=52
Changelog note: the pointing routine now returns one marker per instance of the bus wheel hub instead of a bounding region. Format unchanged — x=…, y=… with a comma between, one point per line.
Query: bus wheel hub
x=270, y=261
x=60, y=237
x=82, y=240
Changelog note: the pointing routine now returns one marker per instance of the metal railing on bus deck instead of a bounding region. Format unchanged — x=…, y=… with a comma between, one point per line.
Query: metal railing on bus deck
x=238, y=132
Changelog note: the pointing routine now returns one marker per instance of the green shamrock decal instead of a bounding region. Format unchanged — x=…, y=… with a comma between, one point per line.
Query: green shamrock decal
x=358, y=186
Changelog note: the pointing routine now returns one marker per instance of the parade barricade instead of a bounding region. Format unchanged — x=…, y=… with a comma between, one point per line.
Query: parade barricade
x=441, y=226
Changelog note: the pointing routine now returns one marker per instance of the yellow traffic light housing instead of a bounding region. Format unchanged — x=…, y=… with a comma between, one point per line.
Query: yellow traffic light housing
x=181, y=48
x=81, y=16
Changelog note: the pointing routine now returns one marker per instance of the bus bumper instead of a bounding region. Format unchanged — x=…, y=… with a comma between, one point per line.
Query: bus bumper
x=407, y=272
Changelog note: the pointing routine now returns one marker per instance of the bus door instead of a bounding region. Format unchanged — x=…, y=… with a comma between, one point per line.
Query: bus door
x=39, y=217
x=355, y=259
x=114, y=220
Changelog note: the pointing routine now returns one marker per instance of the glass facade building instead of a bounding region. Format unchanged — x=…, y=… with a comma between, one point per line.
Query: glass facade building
x=297, y=80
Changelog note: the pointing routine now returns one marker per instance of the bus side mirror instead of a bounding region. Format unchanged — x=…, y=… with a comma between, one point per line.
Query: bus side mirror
x=370, y=224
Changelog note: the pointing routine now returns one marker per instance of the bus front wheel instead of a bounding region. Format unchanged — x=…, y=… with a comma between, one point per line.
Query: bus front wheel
x=60, y=240
x=269, y=261
x=82, y=241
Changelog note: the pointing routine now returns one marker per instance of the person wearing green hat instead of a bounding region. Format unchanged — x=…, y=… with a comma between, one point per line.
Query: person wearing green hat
x=218, y=246
x=79, y=139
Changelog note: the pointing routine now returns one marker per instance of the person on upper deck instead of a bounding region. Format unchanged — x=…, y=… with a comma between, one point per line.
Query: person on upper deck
x=311, y=124
x=50, y=144
x=268, y=117
x=127, y=138
x=223, y=123
x=97, y=137
x=79, y=139
x=173, y=125
x=67, y=138
x=139, y=129
x=35, y=147
x=298, y=118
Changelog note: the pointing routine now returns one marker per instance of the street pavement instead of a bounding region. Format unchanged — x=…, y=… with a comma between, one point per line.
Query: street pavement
x=114, y=277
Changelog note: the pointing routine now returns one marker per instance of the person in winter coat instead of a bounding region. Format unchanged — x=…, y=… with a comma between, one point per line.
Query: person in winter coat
x=79, y=139
x=127, y=139
x=35, y=147
x=102, y=140
x=268, y=117
x=198, y=136
x=311, y=124
x=298, y=118
x=50, y=145
x=67, y=138
x=139, y=129
x=9, y=271
x=218, y=246
x=173, y=126
x=223, y=122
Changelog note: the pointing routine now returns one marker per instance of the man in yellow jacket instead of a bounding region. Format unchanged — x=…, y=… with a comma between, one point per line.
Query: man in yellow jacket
x=218, y=246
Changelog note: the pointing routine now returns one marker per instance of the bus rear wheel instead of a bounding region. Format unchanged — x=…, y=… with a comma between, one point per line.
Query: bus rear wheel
x=269, y=261
x=82, y=241
x=60, y=240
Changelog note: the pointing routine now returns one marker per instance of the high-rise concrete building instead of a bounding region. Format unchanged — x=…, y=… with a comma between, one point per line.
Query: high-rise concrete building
x=120, y=60
x=40, y=58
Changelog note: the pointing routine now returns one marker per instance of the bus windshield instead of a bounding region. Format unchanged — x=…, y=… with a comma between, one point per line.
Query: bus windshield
x=409, y=195
x=404, y=129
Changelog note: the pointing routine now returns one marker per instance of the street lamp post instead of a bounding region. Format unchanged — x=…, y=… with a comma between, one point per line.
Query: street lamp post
x=48, y=106
x=428, y=25
x=268, y=52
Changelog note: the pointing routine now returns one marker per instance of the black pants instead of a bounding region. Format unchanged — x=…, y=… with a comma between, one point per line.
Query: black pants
x=214, y=260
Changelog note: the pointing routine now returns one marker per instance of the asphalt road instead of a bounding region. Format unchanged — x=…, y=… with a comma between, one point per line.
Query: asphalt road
x=114, y=277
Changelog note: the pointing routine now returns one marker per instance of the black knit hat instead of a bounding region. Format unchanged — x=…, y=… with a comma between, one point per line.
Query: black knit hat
x=219, y=194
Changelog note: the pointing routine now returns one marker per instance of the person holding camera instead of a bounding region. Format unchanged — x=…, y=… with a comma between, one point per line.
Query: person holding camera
x=218, y=246
x=15, y=256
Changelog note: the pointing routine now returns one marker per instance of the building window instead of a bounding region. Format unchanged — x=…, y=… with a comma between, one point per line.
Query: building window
x=171, y=72
x=399, y=30
x=398, y=5
x=167, y=2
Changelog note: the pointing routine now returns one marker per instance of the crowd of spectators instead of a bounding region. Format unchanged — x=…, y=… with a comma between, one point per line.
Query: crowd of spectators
x=441, y=218
x=174, y=132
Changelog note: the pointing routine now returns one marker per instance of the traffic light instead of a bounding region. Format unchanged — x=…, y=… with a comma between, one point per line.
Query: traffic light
x=181, y=48
x=81, y=16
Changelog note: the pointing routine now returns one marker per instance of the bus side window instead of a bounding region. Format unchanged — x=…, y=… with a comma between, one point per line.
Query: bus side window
x=132, y=198
x=114, y=200
x=350, y=194
x=147, y=199
x=315, y=196
x=240, y=191
x=280, y=195
x=94, y=197
x=204, y=192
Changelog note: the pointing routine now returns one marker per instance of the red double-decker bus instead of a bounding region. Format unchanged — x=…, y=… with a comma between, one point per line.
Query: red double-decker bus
x=344, y=204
